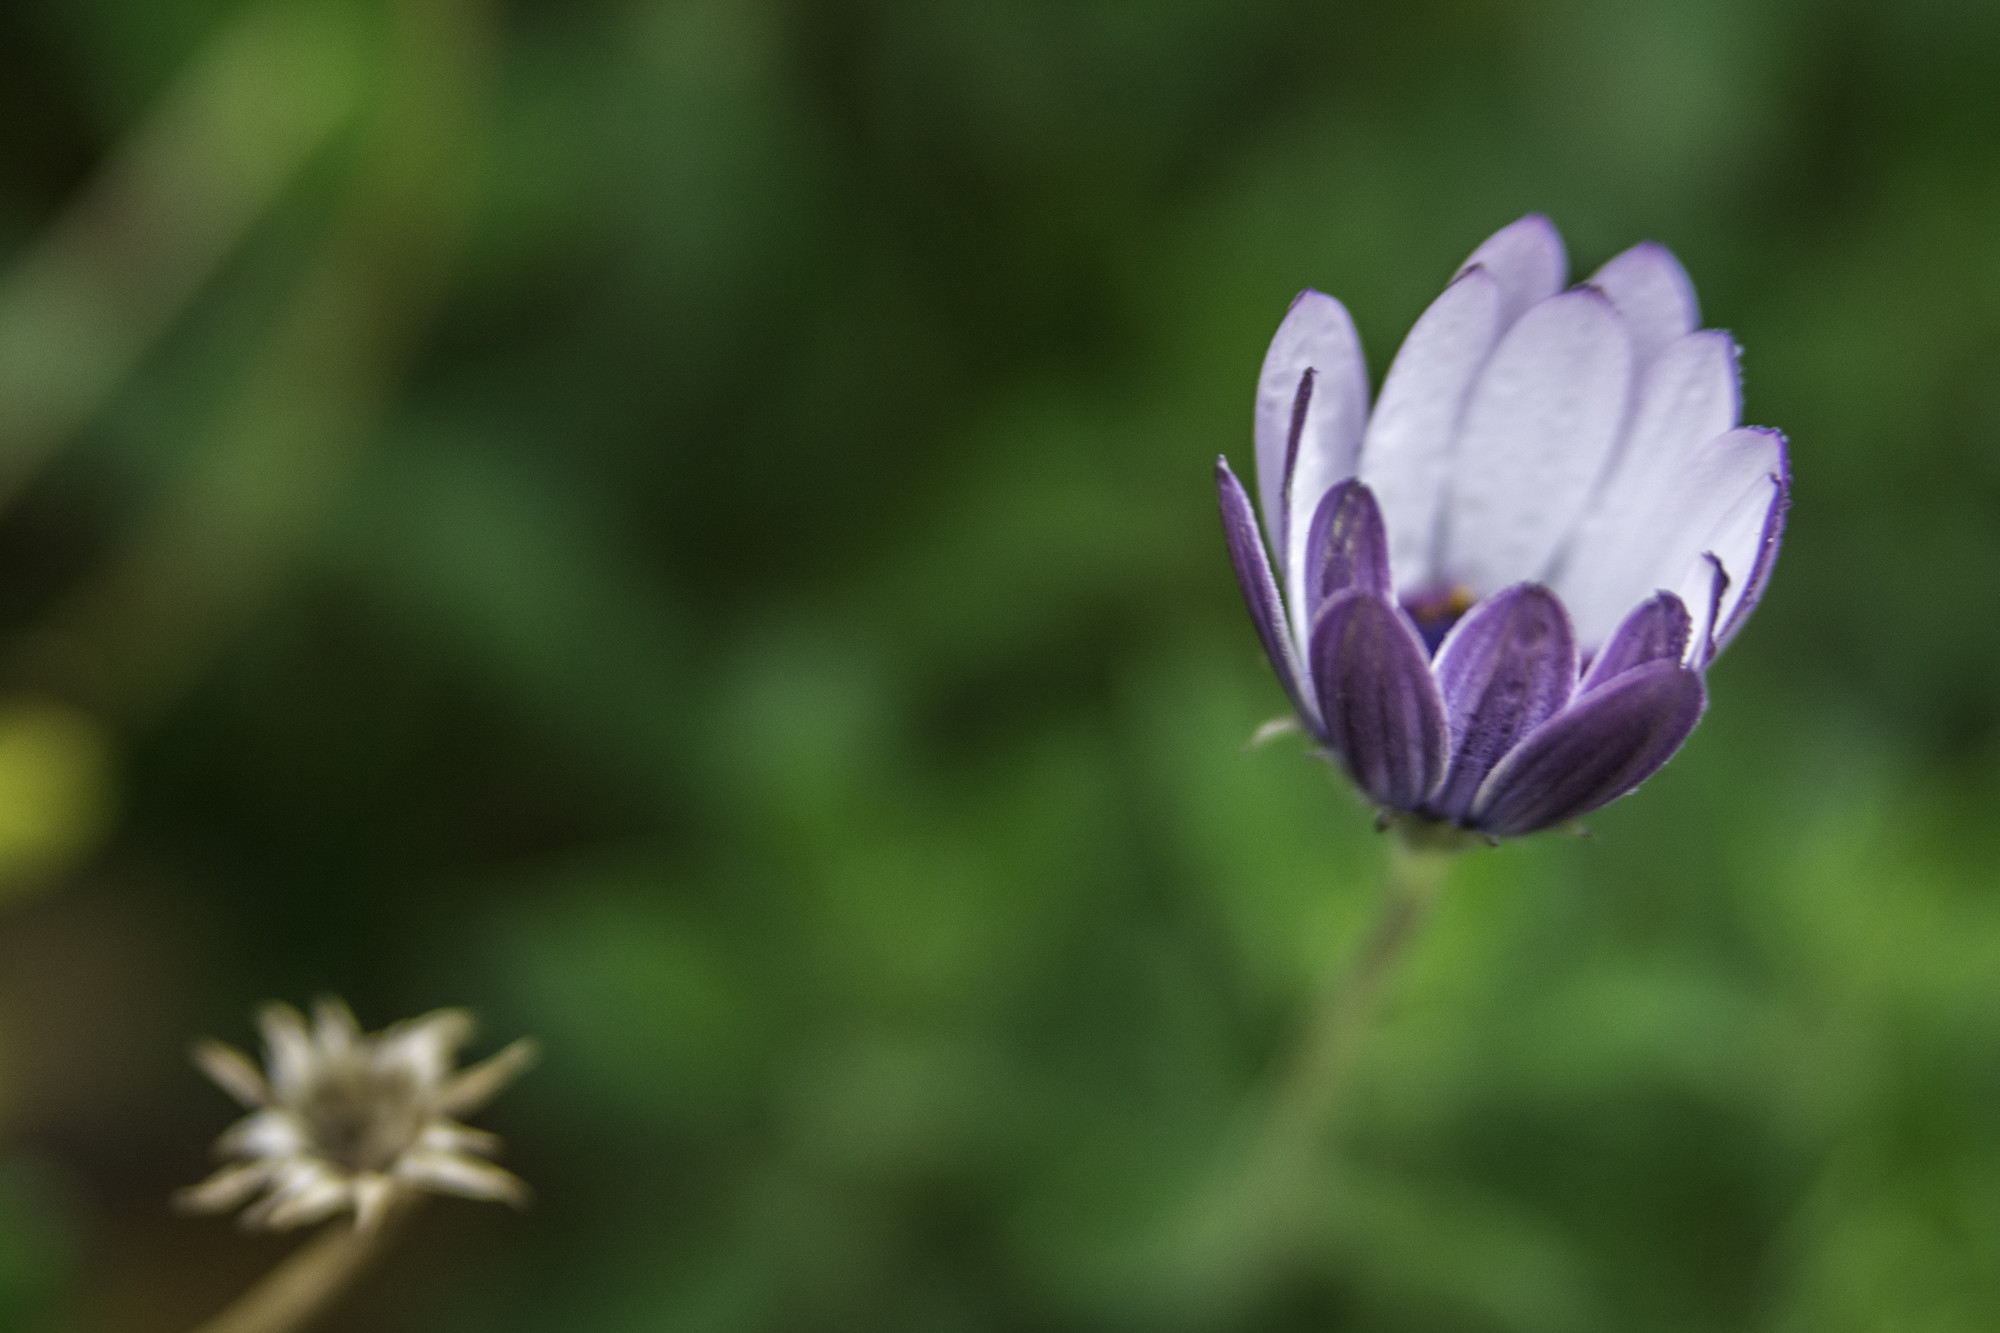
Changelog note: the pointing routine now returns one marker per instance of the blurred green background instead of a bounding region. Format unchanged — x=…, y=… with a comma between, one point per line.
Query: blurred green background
x=686, y=526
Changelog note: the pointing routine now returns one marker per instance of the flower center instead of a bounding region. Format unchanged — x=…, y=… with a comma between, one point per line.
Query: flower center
x=362, y=1118
x=1436, y=611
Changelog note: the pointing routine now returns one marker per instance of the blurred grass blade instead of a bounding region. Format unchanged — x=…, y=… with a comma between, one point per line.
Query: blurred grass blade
x=81, y=309
x=312, y=396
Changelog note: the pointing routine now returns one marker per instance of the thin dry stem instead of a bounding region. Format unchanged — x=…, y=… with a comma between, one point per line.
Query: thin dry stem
x=310, y=1278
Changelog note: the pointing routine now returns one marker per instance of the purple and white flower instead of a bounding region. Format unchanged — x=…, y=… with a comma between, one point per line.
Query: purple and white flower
x=1498, y=591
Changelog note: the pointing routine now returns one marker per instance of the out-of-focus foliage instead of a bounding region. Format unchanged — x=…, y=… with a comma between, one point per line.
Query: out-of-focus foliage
x=54, y=780
x=685, y=525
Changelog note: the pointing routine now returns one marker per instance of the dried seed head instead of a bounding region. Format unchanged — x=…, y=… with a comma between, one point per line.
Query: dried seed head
x=345, y=1120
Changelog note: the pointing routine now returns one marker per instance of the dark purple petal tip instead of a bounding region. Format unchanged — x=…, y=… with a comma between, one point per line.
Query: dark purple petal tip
x=1658, y=630
x=1504, y=669
x=1607, y=743
x=1260, y=588
x=1301, y=404
x=1346, y=546
x=1718, y=588
x=1382, y=712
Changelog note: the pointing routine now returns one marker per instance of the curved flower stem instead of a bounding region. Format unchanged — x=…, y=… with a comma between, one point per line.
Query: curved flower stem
x=1272, y=1191
x=308, y=1279
x=1252, y=1216
x=1313, y=1083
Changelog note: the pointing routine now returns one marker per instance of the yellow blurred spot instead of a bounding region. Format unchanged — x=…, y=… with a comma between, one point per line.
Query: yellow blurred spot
x=56, y=778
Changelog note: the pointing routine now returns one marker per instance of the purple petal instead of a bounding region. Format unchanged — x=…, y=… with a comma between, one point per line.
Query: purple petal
x=1618, y=554
x=1539, y=428
x=1346, y=547
x=1606, y=744
x=1527, y=259
x=1504, y=669
x=1406, y=452
x=1260, y=590
x=1383, y=714
x=1657, y=631
x=1652, y=292
x=1768, y=540
x=1307, y=434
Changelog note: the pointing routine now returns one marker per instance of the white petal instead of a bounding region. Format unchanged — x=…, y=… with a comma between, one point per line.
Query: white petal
x=448, y=1136
x=1736, y=540
x=1716, y=500
x=451, y=1174
x=426, y=1046
x=1406, y=452
x=472, y=1088
x=1538, y=430
x=1756, y=554
x=1527, y=259
x=1689, y=396
x=1701, y=590
x=232, y=1071
x=322, y=1200
x=1316, y=336
x=226, y=1188
x=272, y=1133
x=334, y=1027
x=1652, y=292
x=288, y=1051
x=306, y=1191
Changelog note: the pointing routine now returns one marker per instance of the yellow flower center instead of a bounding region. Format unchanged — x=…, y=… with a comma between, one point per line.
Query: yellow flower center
x=1437, y=611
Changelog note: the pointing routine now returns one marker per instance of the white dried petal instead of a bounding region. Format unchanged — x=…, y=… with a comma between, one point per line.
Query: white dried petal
x=450, y=1136
x=289, y=1054
x=427, y=1046
x=472, y=1088
x=268, y=1133
x=334, y=1027
x=344, y=1120
x=228, y=1188
x=448, y=1173
x=233, y=1072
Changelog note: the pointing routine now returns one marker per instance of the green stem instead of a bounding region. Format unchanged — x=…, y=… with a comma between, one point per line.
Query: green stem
x=1246, y=1228
x=1313, y=1083
x=1266, y=1201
